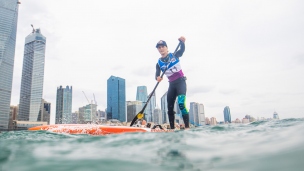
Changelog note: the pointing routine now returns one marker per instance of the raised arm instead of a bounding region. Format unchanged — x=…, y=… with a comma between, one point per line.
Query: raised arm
x=180, y=52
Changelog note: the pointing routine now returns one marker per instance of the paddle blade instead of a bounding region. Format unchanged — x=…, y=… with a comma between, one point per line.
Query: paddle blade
x=138, y=116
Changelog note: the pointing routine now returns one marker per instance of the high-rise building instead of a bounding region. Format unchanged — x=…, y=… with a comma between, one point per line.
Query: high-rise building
x=197, y=114
x=133, y=107
x=87, y=114
x=116, y=99
x=8, y=29
x=142, y=95
x=32, y=76
x=207, y=121
x=157, y=116
x=13, y=116
x=275, y=115
x=75, y=117
x=45, y=112
x=64, y=105
x=213, y=121
x=227, y=115
x=150, y=108
x=164, y=108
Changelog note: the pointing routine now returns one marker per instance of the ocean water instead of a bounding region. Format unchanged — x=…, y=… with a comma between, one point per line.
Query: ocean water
x=264, y=145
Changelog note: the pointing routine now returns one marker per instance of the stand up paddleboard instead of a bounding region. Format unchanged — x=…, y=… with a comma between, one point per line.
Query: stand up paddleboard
x=93, y=129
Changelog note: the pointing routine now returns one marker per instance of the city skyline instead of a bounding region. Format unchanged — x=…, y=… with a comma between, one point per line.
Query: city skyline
x=242, y=67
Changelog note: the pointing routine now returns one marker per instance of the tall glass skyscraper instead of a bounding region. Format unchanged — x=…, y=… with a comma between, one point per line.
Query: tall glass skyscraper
x=197, y=114
x=116, y=99
x=142, y=95
x=8, y=29
x=32, y=76
x=275, y=115
x=150, y=108
x=164, y=108
x=64, y=105
x=227, y=115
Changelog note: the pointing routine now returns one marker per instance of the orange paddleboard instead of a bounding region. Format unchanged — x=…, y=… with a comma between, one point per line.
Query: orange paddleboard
x=92, y=129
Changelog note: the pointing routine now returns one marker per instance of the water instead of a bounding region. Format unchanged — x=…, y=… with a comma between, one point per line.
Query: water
x=264, y=145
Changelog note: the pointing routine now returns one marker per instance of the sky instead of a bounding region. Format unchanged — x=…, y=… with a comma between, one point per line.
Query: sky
x=248, y=55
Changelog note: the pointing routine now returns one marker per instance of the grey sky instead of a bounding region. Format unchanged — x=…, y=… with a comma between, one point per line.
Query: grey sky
x=247, y=55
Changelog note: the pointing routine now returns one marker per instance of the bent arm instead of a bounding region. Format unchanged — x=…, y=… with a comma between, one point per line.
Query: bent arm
x=180, y=52
x=157, y=73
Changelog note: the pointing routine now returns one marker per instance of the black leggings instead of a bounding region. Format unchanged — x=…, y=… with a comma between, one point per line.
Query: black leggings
x=177, y=88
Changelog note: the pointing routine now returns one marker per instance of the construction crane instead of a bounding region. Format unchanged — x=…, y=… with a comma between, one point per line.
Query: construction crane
x=33, y=28
x=86, y=97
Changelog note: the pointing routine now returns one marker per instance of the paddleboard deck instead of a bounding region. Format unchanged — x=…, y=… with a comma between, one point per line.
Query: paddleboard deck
x=93, y=129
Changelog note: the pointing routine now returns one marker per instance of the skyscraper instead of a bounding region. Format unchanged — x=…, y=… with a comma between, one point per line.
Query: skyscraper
x=32, y=76
x=197, y=114
x=45, y=112
x=150, y=108
x=157, y=119
x=8, y=29
x=116, y=98
x=275, y=115
x=142, y=95
x=64, y=105
x=87, y=114
x=164, y=108
x=133, y=107
x=227, y=115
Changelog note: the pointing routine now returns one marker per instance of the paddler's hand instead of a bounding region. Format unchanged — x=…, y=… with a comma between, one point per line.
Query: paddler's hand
x=159, y=79
x=182, y=38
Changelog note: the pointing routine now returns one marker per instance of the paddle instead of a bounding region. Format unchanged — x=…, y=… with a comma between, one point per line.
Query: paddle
x=140, y=115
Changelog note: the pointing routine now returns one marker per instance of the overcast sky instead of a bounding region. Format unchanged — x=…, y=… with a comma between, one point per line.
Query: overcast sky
x=248, y=55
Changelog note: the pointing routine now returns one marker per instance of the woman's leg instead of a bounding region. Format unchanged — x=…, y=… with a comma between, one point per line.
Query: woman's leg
x=181, y=96
x=171, y=96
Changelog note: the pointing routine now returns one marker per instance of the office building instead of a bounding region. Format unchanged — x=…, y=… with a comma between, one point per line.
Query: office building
x=64, y=105
x=32, y=76
x=213, y=121
x=197, y=114
x=150, y=108
x=116, y=99
x=87, y=114
x=142, y=95
x=227, y=115
x=164, y=108
x=8, y=30
x=157, y=118
x=12, y=116
x=275, y=115
x=45, y=112
x=133, y=108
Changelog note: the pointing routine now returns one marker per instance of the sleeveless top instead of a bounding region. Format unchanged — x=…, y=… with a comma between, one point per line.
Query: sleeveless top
x=174, y=70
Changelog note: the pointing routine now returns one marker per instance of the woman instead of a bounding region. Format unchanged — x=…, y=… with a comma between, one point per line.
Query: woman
x=170, y=64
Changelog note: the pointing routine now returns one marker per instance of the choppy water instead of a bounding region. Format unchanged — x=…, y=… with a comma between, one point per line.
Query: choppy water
x=264, y=145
